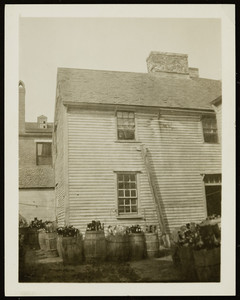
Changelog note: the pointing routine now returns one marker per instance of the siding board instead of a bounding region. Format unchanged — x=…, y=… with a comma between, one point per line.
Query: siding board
x=178, y=157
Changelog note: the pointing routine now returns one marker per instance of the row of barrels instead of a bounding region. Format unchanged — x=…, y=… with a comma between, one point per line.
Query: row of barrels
x=96, y=247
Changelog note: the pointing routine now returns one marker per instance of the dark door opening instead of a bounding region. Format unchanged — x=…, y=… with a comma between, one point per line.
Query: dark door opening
x=213, y=198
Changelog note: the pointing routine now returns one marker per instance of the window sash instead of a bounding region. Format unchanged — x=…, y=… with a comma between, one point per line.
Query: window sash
x=125, y=125
x=209, y=125
x=44, y=153
x=127, y=193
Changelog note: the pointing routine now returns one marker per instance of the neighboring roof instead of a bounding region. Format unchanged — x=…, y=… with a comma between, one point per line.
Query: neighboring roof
x=217, y=101
x=33, y=127
x=36, y=177
x=144, y=89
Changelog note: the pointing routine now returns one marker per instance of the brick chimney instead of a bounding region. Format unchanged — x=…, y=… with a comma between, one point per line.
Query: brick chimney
x=193, y=72
x=168, y=64
x=21, y=107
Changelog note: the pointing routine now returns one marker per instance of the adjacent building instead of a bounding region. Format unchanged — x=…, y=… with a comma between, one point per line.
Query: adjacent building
x=137, y=148
x=36, y=175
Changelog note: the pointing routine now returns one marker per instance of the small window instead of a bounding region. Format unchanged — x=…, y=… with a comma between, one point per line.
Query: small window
x=44, y=153
x=127, y=193
x=125, y=125
x=209, y=124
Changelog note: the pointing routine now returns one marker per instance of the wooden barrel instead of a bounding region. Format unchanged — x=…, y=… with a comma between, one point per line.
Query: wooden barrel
x=42, y=239
x=117, y=247
x=187, y=264
x=152, y=244
x=71, y=249
x=59, y=245
x=94, y=246
x=33, y=238
x=207, y=264
x=51, y=244
x=136, y=246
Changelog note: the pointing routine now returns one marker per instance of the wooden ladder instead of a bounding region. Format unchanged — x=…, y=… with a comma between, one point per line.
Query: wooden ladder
x=147, y=164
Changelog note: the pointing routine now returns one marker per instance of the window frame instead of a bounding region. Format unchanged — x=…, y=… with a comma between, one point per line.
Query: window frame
x=205, y=116
x=204, y=184
x=128, y=215
x=135, y=126
x=37, y=156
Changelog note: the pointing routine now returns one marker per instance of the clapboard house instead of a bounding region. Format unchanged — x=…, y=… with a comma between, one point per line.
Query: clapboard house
x=36, y=174
x=136, y=148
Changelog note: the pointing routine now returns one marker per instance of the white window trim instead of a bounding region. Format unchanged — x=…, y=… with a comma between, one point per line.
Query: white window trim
x=138, y=215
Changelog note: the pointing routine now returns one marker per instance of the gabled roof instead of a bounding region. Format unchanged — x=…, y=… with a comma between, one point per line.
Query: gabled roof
x=33, y=127
x=144, y=89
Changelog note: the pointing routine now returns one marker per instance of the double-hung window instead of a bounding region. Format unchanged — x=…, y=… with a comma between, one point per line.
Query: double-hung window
x=209, y=124
x=125, y=125
x=127, y=193
x=44, y=153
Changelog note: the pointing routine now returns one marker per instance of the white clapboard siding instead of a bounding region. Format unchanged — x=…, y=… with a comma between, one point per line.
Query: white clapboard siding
x=94, y=155
x=178, y=157
x=60, y=167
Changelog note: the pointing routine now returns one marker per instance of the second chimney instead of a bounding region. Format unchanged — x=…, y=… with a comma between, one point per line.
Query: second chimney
x=168, y=64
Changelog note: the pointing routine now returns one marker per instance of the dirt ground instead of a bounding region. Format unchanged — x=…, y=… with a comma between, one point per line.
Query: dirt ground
x=38, y=267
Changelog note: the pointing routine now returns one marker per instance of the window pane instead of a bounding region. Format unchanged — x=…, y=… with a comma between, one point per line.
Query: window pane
x=127, y=201
x=134, y=201
x=131, y=115
x=126, y=177
x=134, y=208
x=120, y=177
x=125, y=114
x=119, y=114
x=127, y=193
x=120, y=193
x=121, y=209
x=121, y=201
x=132, y=177
x=120, y=185
x=127, y=208
x=133, y=193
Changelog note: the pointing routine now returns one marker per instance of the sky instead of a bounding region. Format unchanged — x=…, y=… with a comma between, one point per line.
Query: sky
x=117, y=44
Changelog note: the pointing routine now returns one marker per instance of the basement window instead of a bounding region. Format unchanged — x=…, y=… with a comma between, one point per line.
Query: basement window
x=125, y=125
x=213, y=191
x=127, y=193
x=209, y=124
x=44, y=153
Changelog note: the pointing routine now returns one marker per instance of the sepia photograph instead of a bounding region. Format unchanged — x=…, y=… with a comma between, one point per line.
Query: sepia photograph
x=119, y=149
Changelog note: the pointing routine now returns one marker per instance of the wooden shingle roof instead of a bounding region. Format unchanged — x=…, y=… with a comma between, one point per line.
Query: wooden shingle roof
x=141, y=89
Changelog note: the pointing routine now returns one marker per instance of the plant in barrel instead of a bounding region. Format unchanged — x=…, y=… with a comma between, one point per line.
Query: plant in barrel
x=137, y=249
x=197, y=249
x=95, y=242
x=70, y=244
x=151, y=241
x=117, y=238
x=207, y=254
x=34, y=228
